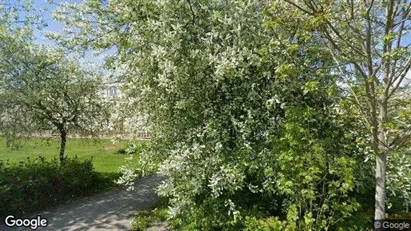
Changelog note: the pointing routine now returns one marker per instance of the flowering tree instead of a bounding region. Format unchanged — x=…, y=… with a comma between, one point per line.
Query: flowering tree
x=244, y=120
x=19, y=14
x=45, y=91
x=17, y=21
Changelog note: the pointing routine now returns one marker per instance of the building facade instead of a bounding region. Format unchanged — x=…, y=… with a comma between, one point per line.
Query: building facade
x=120, y=122
x=112, y=90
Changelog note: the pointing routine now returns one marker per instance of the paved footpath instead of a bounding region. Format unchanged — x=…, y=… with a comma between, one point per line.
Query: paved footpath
x=111, y=211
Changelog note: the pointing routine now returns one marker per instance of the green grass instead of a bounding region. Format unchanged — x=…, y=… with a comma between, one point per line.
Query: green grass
x=104, y=153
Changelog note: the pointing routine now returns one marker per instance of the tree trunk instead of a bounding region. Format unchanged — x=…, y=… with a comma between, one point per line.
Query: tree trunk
x=63, y=136
x=380, y=184
x=381, y=162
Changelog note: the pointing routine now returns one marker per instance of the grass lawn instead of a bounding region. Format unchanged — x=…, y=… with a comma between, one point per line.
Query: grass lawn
x=104, y=153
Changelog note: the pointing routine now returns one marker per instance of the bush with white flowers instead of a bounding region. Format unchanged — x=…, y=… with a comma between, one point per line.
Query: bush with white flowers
x=242, y=119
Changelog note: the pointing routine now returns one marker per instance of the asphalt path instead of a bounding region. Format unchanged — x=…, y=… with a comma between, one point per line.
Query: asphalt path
x=111, y=210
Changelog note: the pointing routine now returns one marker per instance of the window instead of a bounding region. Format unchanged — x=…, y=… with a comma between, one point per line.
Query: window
x=112, y=91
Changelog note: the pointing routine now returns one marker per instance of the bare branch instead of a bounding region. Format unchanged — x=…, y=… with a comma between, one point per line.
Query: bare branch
x=401, y=139
x=400, y=78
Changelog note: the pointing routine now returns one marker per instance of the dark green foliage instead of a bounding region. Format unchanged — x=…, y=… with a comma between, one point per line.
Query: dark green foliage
x=39, y=183
x=145, y=218
x=246, y=119
x=122, y=150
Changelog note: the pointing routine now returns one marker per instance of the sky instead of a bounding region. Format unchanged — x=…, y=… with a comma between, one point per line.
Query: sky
x=54, y=26
x=47, y=16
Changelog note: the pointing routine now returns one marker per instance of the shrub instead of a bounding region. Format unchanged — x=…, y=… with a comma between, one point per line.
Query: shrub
x=122, y=150
x=241, y=129
x=39, y=183
x=144, y=219
x=269, y=224
x=132, y=148
x=244, y=121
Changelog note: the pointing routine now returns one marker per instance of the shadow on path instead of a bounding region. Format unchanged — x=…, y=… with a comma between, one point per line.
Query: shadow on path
x=112, y=210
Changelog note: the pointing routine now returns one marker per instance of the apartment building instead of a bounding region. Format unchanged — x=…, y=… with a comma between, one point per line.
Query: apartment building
x=121, y=124
x=112, y=90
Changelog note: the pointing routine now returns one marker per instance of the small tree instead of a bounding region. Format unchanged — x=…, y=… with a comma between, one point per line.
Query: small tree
x=50, y=91
x=368, y=42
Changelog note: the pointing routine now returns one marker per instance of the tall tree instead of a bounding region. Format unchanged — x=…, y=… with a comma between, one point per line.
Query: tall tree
x=370, y=44
x=243, y=125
